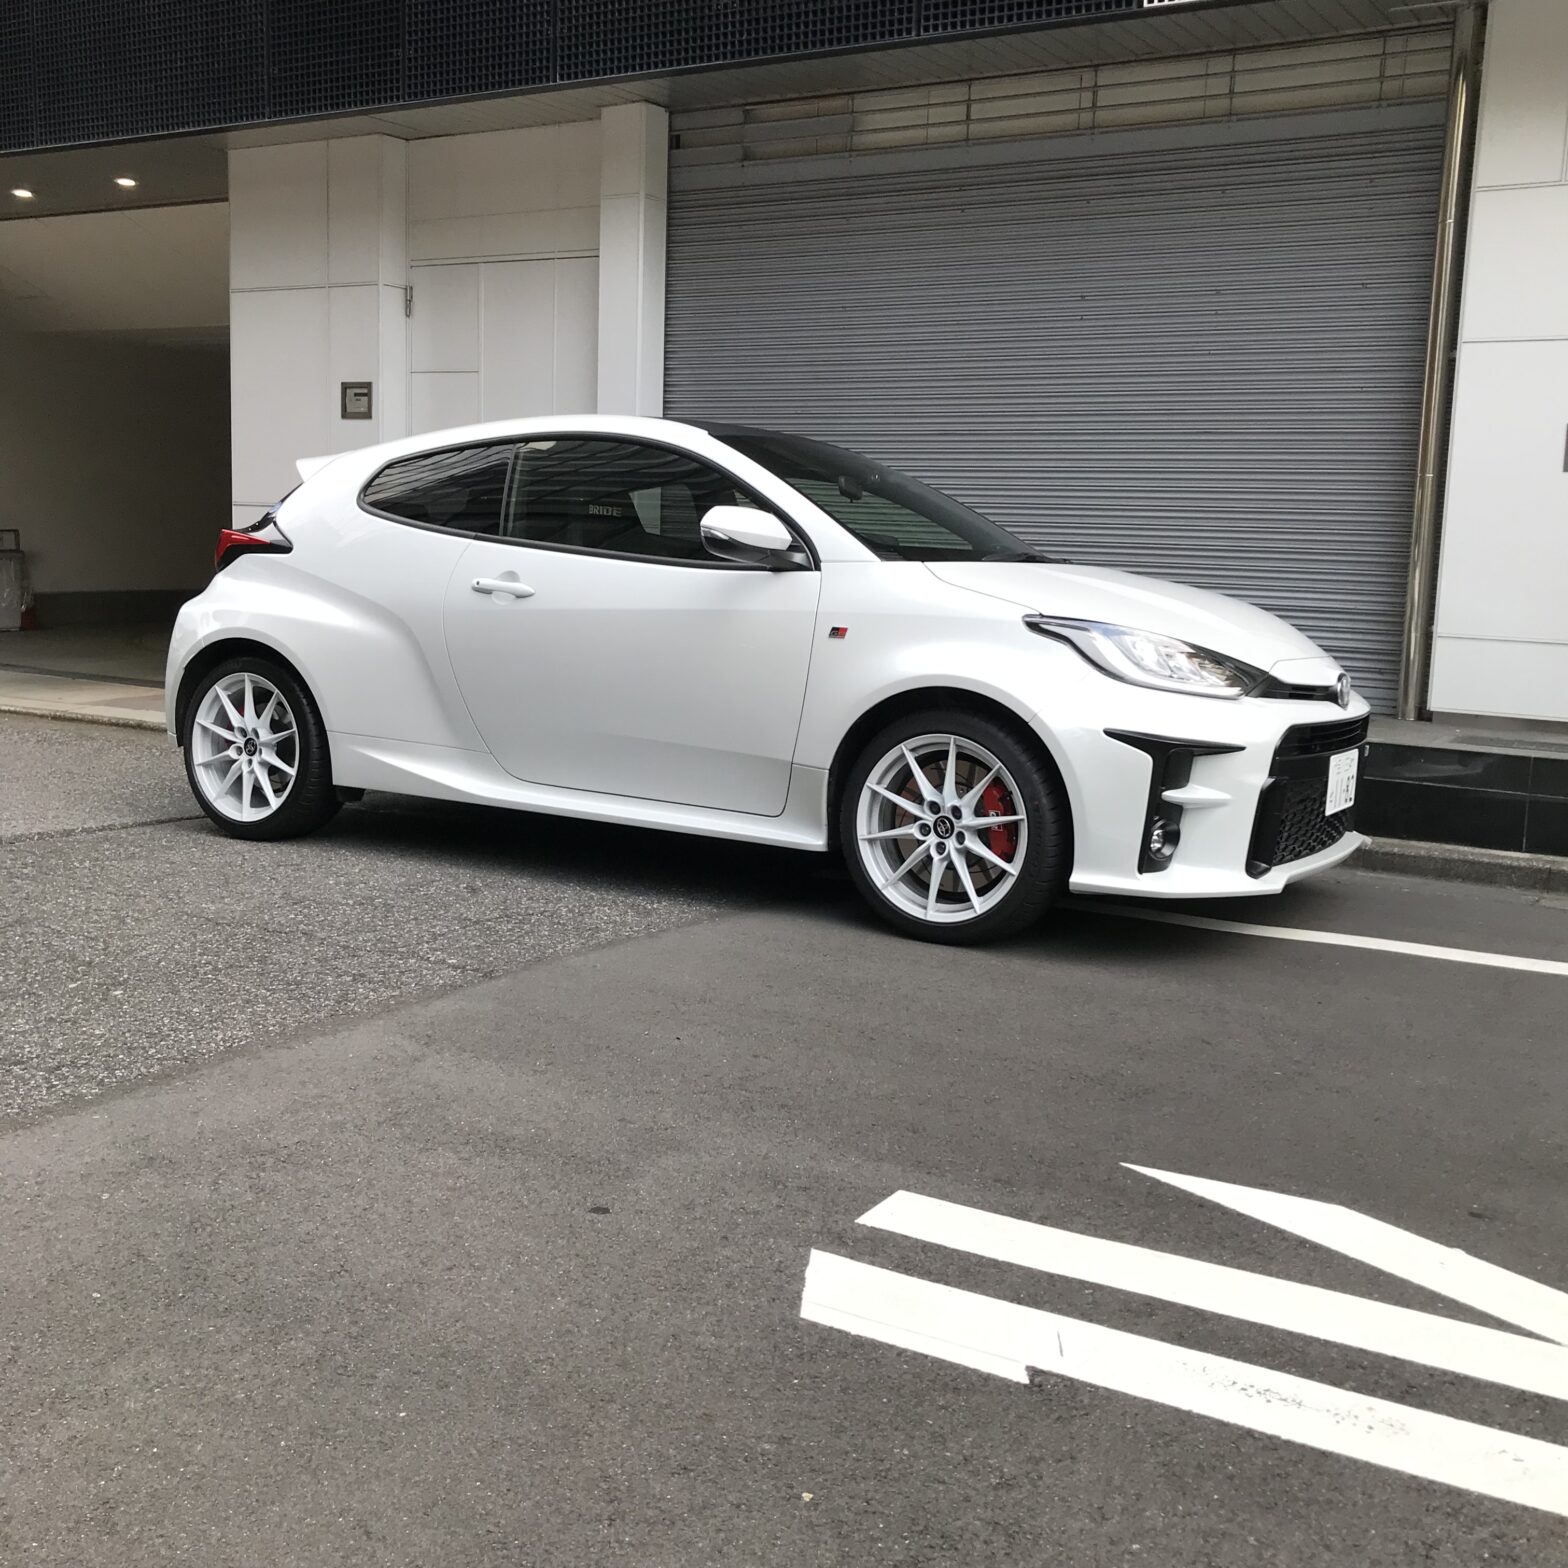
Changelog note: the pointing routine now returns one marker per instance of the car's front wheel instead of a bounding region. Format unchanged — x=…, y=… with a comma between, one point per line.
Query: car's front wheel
x=256, y=751
x=952, y=828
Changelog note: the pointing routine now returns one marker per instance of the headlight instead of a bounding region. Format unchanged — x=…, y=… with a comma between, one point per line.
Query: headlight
x=1149, y=659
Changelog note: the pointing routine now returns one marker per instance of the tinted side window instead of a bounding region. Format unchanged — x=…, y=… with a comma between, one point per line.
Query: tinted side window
x=461, y=489
x=598, y=494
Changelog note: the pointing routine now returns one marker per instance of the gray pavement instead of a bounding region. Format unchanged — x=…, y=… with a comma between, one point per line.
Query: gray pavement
x=439, y=1191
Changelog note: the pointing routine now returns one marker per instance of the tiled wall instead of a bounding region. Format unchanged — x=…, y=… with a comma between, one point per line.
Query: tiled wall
x=1486, y=799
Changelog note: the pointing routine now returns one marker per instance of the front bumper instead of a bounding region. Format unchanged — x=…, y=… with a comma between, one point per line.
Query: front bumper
x=1247, y=780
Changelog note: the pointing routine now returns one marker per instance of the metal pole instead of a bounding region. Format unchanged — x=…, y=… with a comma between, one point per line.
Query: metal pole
x=1437, y=380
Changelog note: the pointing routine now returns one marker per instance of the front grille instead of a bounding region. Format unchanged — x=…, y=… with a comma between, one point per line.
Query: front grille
x=1290, y=824
x=1322, y=740
x=1284, y=691
x=1303, y=829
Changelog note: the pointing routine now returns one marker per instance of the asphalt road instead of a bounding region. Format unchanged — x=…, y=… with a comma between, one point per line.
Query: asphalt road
x=441, y=1191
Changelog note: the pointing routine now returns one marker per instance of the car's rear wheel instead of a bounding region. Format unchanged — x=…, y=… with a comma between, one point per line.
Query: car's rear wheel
x=952, y=829
x=256, y=751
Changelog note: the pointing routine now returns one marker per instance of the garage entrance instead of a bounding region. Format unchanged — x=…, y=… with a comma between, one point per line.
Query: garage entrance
x=114, y=426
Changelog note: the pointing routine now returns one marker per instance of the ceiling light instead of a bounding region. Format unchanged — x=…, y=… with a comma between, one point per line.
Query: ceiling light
x=125, y=182
x=22, y=193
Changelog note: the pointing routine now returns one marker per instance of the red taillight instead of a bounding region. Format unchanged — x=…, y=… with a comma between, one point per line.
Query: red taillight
x=266, y=539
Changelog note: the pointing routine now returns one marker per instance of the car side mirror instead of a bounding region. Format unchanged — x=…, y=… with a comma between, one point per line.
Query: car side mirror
x=742, y=533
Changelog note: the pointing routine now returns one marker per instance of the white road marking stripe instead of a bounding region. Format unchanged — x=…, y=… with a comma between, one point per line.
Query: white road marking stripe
x=1465, y=1348
x=1377, y=944
x=1452, y=1273
x=1007, y=1340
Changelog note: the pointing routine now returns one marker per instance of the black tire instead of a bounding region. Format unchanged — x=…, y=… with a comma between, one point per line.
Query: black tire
x=311, y=802
x=1046, y=849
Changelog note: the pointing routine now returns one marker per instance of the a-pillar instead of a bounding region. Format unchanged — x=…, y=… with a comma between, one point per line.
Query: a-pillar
x=633, y=195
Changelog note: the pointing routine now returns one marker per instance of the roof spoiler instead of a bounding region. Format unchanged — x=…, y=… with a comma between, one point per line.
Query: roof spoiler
x=312, y=465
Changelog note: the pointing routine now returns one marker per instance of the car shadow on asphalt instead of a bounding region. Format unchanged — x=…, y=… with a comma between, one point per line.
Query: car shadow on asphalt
x=567, y=848
x=753, y=876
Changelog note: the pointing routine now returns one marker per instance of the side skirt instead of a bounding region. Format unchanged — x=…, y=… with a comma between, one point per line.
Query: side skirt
x=444, y=773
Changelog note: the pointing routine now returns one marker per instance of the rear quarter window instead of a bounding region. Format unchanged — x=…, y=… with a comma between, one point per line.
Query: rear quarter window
x=458, y=488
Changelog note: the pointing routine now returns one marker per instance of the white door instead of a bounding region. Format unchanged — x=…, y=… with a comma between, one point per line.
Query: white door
x=628, y=661
x=503, y=340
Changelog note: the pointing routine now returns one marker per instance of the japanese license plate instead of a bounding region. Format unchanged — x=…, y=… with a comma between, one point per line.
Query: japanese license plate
x=1341, y=794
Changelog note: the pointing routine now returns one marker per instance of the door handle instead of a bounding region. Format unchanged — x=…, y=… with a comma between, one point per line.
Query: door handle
x=507, y=585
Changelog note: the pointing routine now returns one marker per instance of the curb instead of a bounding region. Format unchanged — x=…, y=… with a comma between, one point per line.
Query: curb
x=123, y=721
x=1461, y=863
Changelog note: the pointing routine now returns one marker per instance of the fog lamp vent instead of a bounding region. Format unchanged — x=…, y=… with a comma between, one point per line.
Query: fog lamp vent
x=1170, y=768
x=1163, y=838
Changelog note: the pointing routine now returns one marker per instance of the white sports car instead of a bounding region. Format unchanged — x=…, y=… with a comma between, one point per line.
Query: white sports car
x=725, y=631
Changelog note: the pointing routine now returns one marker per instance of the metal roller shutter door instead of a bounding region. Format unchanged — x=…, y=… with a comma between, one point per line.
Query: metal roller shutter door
x=1200, y=362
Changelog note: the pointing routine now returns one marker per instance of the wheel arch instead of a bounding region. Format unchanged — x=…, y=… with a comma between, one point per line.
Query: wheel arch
x=210, y=655
x=918, y=698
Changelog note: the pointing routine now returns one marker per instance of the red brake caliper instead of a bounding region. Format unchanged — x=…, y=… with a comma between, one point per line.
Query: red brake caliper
x=996, y=802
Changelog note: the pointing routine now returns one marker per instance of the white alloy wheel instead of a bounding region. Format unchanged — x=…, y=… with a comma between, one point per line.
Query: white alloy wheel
x=940, y=829
x=244, y=747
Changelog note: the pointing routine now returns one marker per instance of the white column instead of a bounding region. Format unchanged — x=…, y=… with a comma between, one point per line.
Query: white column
x=634, y=183
x=1500, y=643
x=317, y=268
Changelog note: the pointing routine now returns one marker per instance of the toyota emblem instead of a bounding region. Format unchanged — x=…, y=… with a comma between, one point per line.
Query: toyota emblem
x=1342, y=691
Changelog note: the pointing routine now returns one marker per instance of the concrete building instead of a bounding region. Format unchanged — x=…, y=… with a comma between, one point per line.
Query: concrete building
x=1266, y=296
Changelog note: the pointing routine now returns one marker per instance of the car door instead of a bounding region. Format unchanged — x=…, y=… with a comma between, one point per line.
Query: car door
x=625, y=659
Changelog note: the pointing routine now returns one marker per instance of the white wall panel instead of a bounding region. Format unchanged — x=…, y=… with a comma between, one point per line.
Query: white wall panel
x=1524, y=96
x=576, y=335
x=443, y=399
x=577, y=169
x=1516, y=267
x=518, y=374
x=504, y=193
x=1505, y=564
x=278, y=231
x=353, y=354
x=392, y=391
x=446, y=318
x=278, y=388
x=304, y=214
x=561, y=230
x=354, y=210
x=1501, y=632
x=1515, y=680
x=633, y=222
x=494, y=171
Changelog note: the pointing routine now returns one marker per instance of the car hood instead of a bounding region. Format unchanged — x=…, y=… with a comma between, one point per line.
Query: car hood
x=1096, y=593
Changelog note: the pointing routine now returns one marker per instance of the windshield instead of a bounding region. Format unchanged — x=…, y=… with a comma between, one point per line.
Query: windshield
x=893, y=515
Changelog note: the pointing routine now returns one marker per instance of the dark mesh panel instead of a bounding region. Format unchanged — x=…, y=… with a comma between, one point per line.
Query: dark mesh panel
x=1303, y=829
x=966, y=16
x=621, y=37
x=102, y=69
x=98, y=70
x=627, y=37
x=459, y=47
x=16, y=70
x=331, y=55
